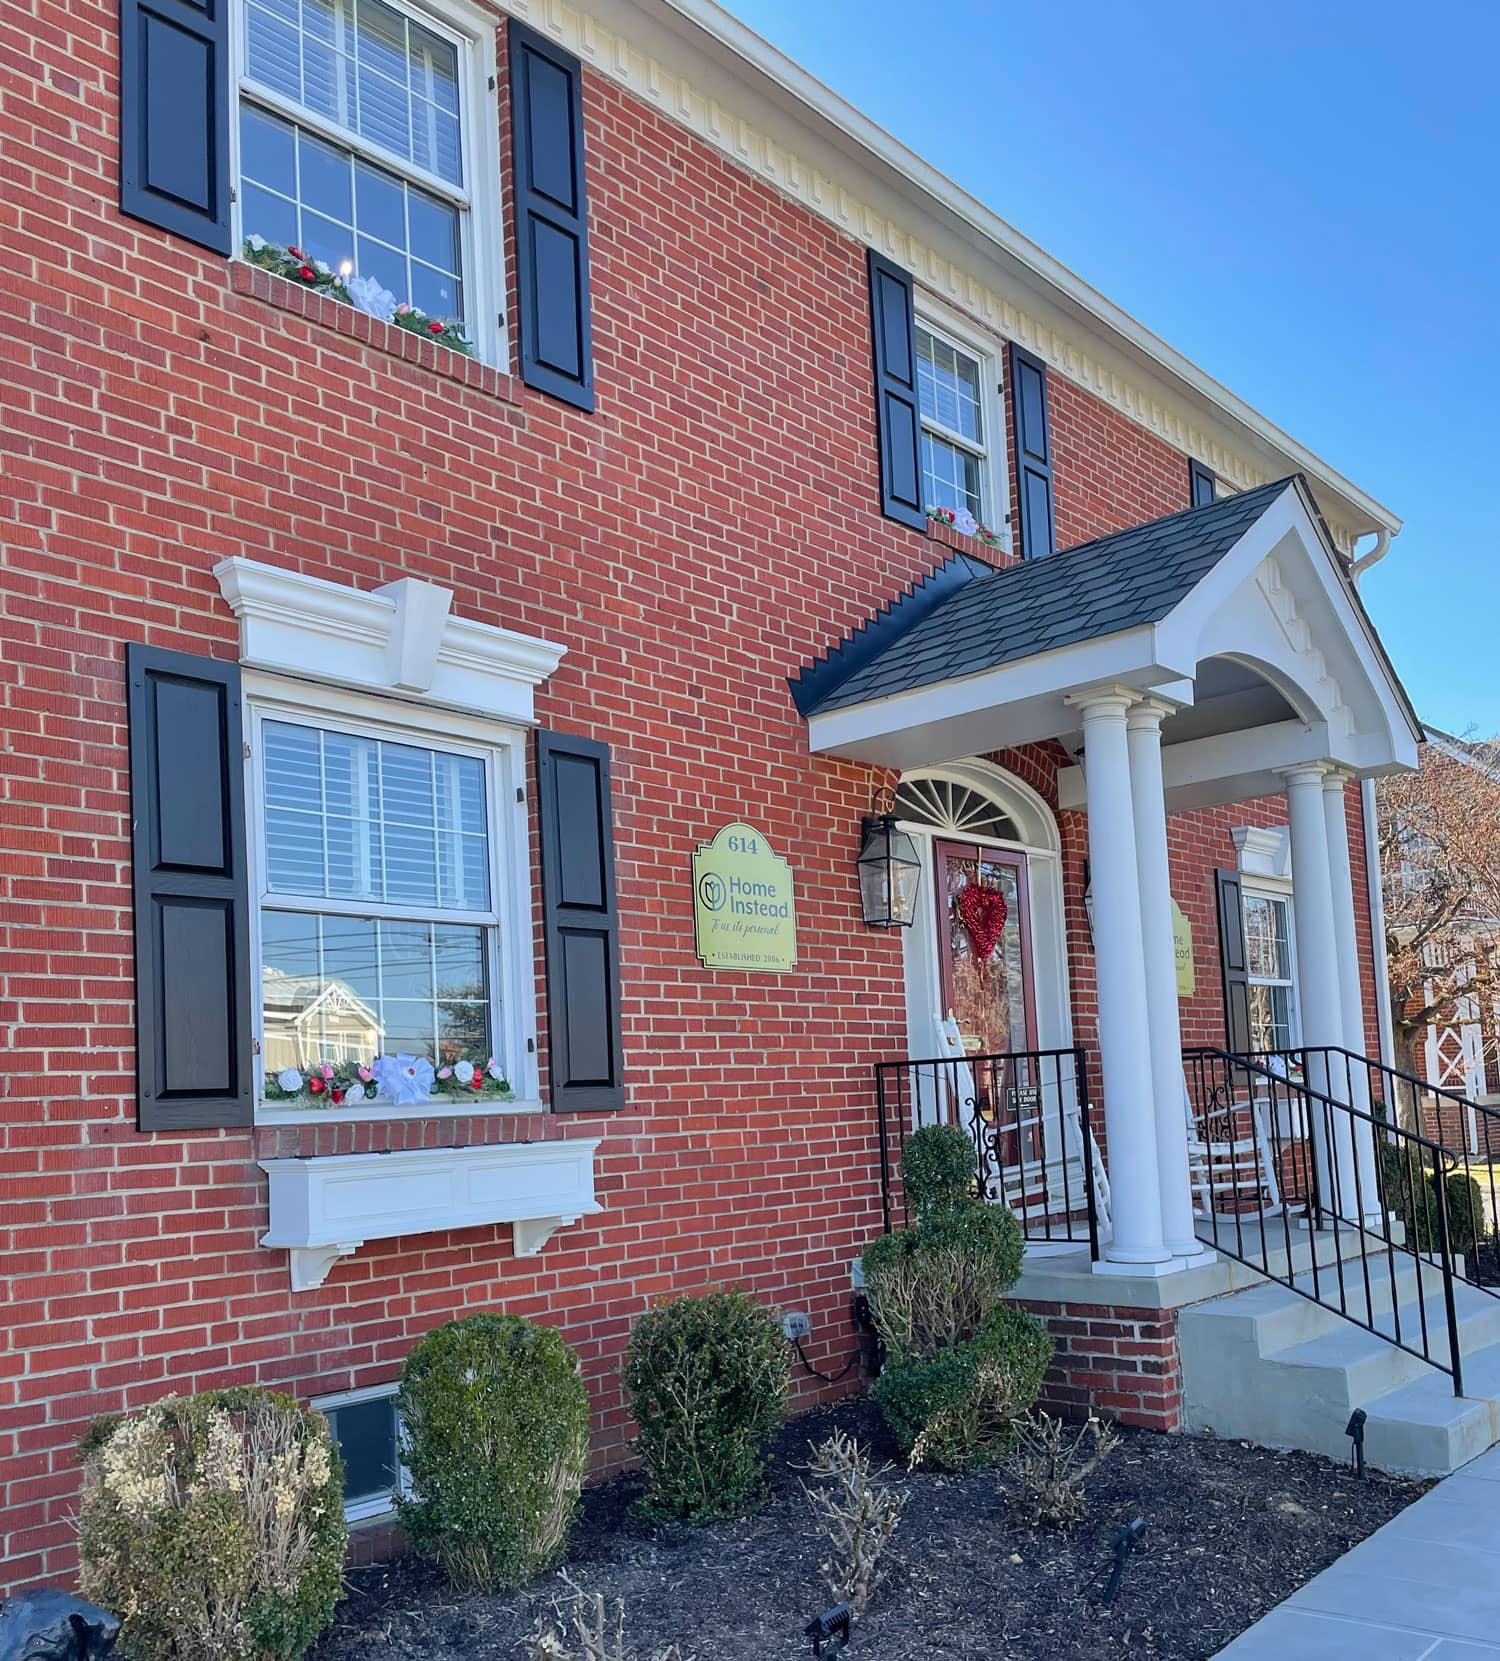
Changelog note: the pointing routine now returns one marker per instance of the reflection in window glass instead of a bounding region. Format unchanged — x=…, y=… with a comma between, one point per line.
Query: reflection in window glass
x=948, y=391
x=1268, y=955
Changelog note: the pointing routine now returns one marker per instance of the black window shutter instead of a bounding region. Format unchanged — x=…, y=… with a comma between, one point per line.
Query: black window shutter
x=174, y=117
x=552, y=222
x=1028, y=391
x=1202, y=485
x=893, y=327
x=192, y=899
x=1233, y=964
x=585, y=1051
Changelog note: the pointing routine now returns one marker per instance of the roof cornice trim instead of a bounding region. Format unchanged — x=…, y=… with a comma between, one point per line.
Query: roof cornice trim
x=1017, y=311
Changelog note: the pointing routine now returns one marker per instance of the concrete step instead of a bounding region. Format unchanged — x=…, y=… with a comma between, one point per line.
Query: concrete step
x=1269, y=1366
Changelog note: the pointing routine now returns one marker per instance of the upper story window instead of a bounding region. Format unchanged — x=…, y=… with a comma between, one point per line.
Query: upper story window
x=955, y=448
x=355, y=145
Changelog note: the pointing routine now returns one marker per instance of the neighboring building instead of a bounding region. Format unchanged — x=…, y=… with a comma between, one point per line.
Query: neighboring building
x=361, y=693
x=1440, y=847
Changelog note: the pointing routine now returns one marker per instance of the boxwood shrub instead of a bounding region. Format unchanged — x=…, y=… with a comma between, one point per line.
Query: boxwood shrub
x=707, y=1379
x=497, y=1440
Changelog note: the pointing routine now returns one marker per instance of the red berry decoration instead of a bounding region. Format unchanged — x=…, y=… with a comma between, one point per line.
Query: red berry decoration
x=316, y=1085
x=435, y=327
x=477, y=1082
x=336, y=1095
x=982, y=911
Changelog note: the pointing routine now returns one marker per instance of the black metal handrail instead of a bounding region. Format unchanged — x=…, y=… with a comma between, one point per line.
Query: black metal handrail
x=1313, y=1137
x=1027, y=1112
x=1402, y=1099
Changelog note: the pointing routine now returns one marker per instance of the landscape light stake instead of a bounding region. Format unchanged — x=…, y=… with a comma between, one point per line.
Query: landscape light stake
x=1125, y=1541
x=1355, y=1431
x=831, y=1627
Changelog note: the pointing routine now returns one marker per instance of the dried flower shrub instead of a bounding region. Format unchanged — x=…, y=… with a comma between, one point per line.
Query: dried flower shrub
x=584, y=1628
x=214, y=1527
x=1048, y=1466
x=858, y=1515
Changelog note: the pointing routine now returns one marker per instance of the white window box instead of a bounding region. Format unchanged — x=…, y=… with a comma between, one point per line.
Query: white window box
x=325, y=1208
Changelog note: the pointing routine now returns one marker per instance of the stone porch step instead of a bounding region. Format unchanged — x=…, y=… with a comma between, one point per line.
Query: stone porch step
x=1269, y=1366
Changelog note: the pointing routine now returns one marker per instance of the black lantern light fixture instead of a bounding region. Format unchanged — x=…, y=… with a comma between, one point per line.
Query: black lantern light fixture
x=889, y=867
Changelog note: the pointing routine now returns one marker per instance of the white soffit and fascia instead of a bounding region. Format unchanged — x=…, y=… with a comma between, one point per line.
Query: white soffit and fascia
x=703, y=69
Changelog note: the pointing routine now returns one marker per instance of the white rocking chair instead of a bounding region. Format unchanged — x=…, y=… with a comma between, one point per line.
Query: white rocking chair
x=1032, y=1188
x=1238, y=1166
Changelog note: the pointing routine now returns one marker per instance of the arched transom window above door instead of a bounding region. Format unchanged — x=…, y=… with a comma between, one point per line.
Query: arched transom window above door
x=955, y=809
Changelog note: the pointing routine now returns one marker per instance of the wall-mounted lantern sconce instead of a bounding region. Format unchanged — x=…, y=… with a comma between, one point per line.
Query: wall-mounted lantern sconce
x=889, y=867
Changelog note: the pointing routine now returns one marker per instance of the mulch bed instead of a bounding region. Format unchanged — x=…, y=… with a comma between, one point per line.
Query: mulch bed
x=1230, y=1531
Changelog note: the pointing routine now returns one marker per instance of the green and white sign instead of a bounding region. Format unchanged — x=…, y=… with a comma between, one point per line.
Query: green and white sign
x=744, y=907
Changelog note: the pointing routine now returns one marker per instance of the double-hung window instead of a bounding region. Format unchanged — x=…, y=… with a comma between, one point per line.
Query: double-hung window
x=379, y=890
x=955, y=426
x=356, y=146
x=1272, y=982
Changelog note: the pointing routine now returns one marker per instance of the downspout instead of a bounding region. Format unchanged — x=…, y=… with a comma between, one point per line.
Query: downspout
x=1377, y=920
x=1376, y=554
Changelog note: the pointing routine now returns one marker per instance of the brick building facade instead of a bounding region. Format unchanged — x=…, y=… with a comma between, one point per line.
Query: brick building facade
x=706, y=530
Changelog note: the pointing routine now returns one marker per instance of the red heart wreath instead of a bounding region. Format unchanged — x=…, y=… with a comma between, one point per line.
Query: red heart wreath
x=982, y=911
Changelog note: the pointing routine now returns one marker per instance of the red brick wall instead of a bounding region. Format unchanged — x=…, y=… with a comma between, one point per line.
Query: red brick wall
x=688, y=544
x=1117, y=1362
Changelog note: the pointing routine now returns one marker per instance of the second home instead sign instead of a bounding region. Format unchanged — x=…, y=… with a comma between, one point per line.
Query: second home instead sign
x=744, y=908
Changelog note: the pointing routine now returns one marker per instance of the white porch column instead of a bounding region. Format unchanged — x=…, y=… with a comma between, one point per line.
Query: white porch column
x=1351, y=983
x=1143, y=729
x=1124, y=1042
x=1318, y=992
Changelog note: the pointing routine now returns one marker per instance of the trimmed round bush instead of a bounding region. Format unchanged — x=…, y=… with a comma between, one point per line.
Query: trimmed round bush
x=213, y=1526
x=938, y=1282
x=937, y=1166
x=497, y=1442
x=956, y=1408
x=707, y=1378
x=1407, y=1187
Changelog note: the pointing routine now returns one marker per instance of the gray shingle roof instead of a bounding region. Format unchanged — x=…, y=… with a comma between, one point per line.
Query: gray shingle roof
x=1097, y=588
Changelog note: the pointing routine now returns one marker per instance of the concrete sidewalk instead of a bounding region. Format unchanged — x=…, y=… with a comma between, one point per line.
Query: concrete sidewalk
x=1426, y=1587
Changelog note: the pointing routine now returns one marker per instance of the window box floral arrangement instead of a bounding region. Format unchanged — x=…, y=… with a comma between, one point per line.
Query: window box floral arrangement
x=363, y=292
x=390, y=1080
x=967, y=525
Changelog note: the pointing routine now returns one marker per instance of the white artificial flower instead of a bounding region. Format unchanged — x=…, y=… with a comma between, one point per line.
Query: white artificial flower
x=370, y=295
x=256, y=242
x=463, y=1071
x=323, y=268
x=495, y=1070
x=290, y=1080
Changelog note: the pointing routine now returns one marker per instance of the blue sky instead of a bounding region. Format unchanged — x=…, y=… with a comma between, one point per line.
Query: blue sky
x=1302, y=197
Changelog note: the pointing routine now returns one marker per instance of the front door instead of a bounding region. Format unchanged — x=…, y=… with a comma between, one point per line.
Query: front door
x=990, y=995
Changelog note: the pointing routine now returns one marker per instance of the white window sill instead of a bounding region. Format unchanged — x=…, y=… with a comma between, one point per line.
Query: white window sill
x=327, y=1207
x=374, y=1113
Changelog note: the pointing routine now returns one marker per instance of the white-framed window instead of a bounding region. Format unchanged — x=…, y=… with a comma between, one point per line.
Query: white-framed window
x=366, y=1429
x=391, y=888
x=1271, y=962
x=365, y=137
x=959, y=406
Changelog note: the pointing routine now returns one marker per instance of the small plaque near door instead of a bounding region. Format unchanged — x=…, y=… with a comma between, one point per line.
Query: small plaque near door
x=744, y=905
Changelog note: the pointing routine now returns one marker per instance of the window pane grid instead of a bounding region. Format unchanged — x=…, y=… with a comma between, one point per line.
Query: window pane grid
x=366, y=66
x=951, y=404
x=1268, y=955
x=337, y=207
x=338, y=988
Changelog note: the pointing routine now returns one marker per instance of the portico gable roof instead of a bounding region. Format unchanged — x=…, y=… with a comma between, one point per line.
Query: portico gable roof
x=1241, y=606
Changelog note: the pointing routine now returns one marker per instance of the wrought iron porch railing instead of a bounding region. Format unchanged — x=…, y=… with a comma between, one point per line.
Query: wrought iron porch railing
x=1467, y=1132
x=1027, y=1113
x=1312, y=1137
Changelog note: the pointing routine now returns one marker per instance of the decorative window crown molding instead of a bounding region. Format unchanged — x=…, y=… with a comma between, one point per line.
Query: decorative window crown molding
x=402, y=638
x=1263, y=851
